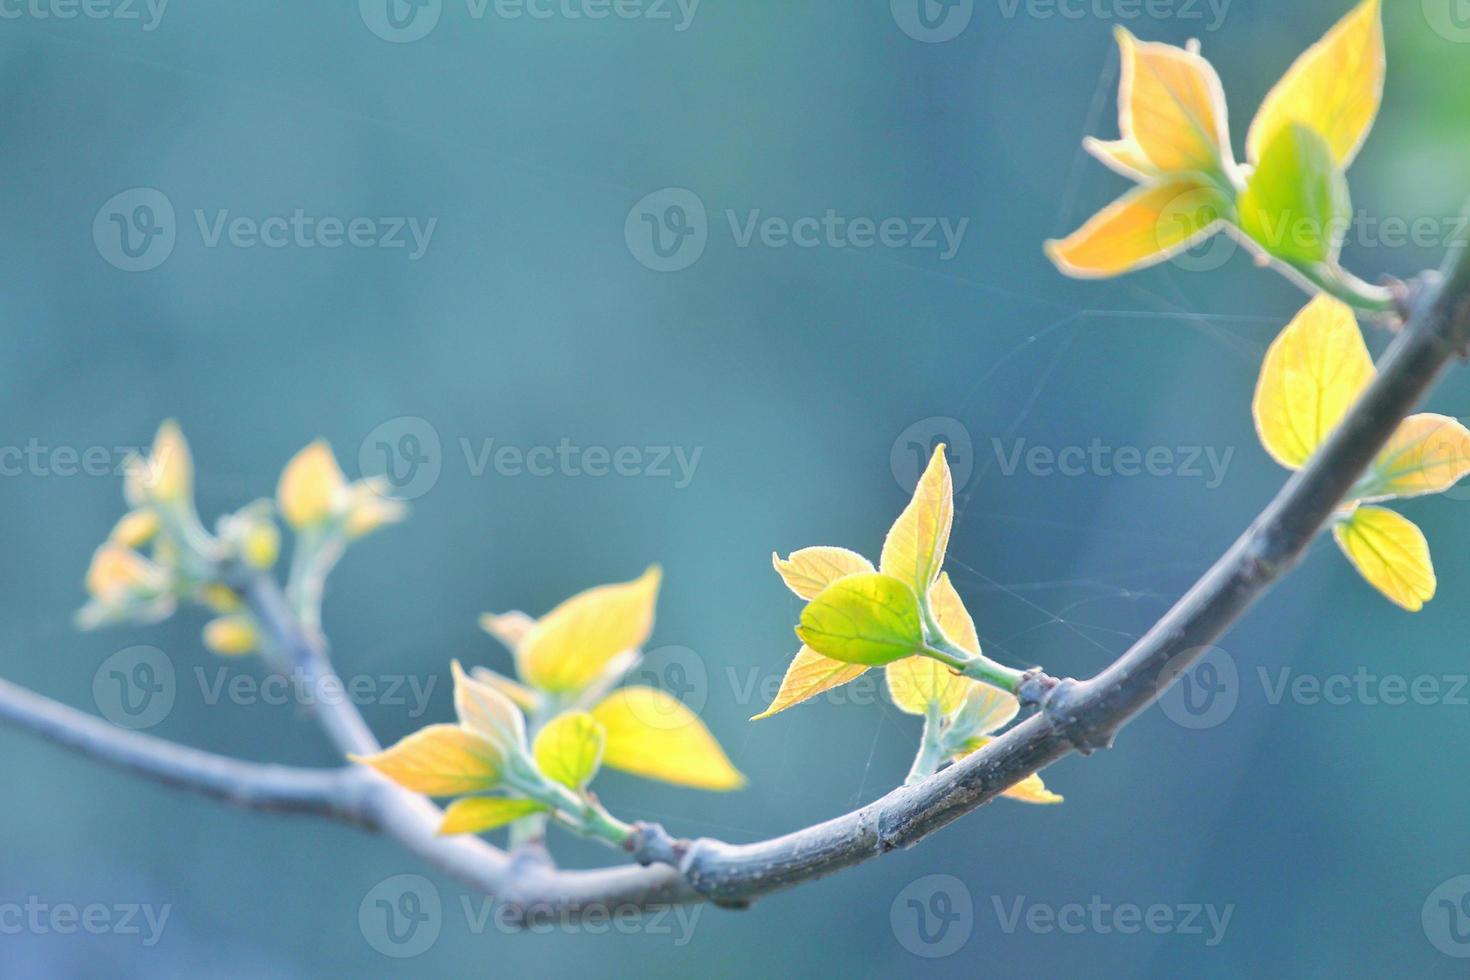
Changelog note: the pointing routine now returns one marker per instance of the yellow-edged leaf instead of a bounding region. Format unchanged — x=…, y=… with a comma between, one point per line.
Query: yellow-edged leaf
x=913, y=551
x=1427, y=454
x=1312, y=374
x=1029, y=790
x=1171, y=107
x=441, y=760
x=170, y=465
x=870, y=619
x=1335, y=88
x=312, y=487
x=1122, y=156
x=1391, y=553
x=570, y=646
x=1144, y=227
x=477, y=814
x=954, y=618
x=810, y=570
x=986, y=710
x=652, y=734
x=569, y=749
x=485, y=711
x=810, y=674
x=915, y=683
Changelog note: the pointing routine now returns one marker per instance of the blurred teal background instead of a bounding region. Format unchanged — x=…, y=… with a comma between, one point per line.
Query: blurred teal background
x=802, y=375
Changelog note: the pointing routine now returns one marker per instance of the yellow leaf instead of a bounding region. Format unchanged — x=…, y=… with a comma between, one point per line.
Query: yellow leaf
x=170, y=466
x=810, y=674
x=915, y=683
x=808, y=571
x=370, y=507
x=1391, y=553
x=137, y=528
x=312, y=486
x=231, y=636
x=477, y=814
x=1144, y=227
x=486, y=712
x=1335, y=88
x=523, y=697
x=441, y=760
x=914, y=550
x=1029, y=790
x=1032, y=790
x=1122, y=156
x=954, y=618
x=569, y=749
x=1312, y=374
x=262, y=545
x=118, y=574
x=652, y=734
x=1171, y=108
x=570, y=646
x=986, y=710
x=867, y=619
x=1427, y=454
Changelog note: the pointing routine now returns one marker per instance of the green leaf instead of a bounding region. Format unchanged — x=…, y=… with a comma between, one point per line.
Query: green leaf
x=477, y=814
x=1296, y=204
x=569, y=749
x=871, y=619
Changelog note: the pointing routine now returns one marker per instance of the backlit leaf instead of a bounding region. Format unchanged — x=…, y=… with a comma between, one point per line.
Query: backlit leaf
x=441, y=760
x=570, y=646
x=486, y=712
x=652, y=734
x=1171, y=107
x=954, y=618
x=477, y=814
x=1427, y=454
x=1144, y=227
x=870, y=619
x=985, y=711
x=1312, y=374
x=914, y=550
x=810, y=570
x=810, y=674
x=1296, y=204
x=1335, y=88
x=569, y=749
x=312, y=486
x=521, y=695
x=1391, y=553
x=915, y=683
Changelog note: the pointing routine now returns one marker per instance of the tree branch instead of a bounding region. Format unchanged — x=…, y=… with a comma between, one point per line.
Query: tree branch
x=251, y=785
x=1075, y=716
